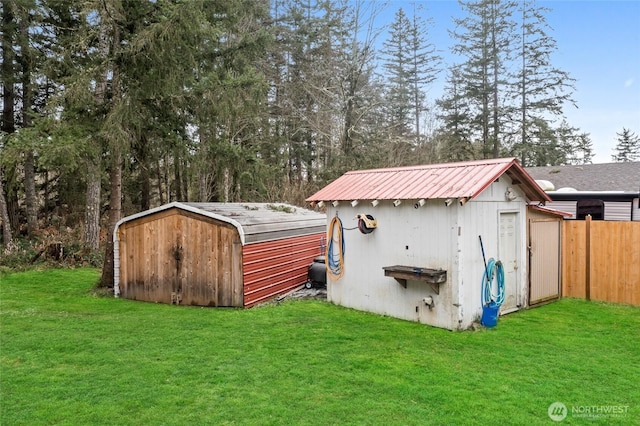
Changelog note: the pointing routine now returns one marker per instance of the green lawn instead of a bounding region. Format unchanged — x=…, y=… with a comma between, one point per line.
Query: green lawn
x=70, y=357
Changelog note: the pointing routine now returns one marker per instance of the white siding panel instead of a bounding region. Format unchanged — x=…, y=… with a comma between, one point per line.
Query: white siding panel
x=423, y=237
x=616, y=210
x=484, y=219
x=564, y=206
x=432, y=236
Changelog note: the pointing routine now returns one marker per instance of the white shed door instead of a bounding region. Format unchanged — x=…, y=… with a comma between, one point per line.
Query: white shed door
x=508, y=251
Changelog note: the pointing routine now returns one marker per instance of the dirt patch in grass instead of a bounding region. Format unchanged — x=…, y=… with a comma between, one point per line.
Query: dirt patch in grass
x=304, y=293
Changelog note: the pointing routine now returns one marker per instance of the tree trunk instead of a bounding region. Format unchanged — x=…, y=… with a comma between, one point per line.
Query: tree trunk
x=177, y=176
x=185, y=181
x=30, y=193
x=202, y=187
x=495, y=101
x=226, y=185
x=92, y=212
x=159, y=180
x=115, y=213
x=8, y=78
x=94, y=163
x=141, y=153
x=145, y=179
x=31, y=201
x=8, y=111
x=115, y=177
x=7, y=237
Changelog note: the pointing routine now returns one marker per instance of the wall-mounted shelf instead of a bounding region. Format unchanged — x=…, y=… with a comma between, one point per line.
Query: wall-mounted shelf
x=401, y=273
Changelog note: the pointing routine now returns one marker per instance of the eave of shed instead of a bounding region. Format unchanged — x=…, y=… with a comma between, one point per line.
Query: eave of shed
x=267, y=221
x=435, y=181
x=549, y=211
x=185, y=207
x=254, y=221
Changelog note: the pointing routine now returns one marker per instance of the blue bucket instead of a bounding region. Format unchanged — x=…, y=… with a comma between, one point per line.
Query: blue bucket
x=490, y=314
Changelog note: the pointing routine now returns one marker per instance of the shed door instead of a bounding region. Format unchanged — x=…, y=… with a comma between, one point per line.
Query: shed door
x=181, y=257
x=508, y=251
x=545, y=260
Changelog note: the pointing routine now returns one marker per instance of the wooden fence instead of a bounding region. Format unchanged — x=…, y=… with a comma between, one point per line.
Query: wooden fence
x=601, y=260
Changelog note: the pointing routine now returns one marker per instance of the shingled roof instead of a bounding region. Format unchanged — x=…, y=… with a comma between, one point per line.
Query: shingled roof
x=591, y=177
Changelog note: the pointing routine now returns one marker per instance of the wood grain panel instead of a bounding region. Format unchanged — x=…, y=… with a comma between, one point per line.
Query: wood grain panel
x=614, y=261
x=180, y=257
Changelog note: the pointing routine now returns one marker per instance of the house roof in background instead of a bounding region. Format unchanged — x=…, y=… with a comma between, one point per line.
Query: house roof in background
x=591, y=177
x=434, y=181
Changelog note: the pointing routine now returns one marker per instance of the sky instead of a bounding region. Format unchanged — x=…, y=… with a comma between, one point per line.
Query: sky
x=598, y=44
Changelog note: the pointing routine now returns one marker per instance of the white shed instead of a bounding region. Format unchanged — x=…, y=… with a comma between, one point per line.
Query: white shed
x=423, y=260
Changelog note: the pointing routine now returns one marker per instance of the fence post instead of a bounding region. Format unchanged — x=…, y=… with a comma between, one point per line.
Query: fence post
x=588, y=257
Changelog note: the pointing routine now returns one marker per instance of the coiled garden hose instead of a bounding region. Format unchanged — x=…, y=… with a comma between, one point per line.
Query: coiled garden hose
x=490, y=292
x=335, y=249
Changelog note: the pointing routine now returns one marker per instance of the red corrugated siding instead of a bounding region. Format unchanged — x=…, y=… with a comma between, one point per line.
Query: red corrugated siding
x=275, y=267
x=449, y=180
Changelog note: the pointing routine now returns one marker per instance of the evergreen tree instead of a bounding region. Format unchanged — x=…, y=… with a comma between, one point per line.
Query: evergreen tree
x=546, y=149
x=8, y=127
x=301, y=79
x=542, y=89
x=18, y=77
x=454, y=139
x=628, y=147
x=484, y=40
x=397, y=65
x=423, y=70
x=356, y=96
x=411, y=65
x=576, y=147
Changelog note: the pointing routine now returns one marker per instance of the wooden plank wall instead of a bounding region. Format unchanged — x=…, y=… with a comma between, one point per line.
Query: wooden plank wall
x=607, y=270
x=544, y=260
x=180, y=257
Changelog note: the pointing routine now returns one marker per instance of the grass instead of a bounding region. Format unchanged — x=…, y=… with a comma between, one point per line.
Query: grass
x=69, y=357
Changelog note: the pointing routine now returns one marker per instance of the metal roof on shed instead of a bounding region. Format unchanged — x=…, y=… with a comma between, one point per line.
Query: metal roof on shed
x=254, y=221
x=447, y=180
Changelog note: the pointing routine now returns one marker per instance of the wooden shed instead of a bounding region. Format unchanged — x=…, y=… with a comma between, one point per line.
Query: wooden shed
x=422, y=259
x=215, y=254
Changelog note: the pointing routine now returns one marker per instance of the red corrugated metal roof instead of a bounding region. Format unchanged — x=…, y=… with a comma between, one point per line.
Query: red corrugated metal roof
x=447, y=180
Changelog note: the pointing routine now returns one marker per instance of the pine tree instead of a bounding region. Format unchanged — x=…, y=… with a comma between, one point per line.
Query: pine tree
x=18, y=84
x=628, y=147
x=484, y=40
x=423, y=70
x=356, y=96
x=454, y=139
x=542, y=89
x=411, y=65
x=396, y=65
x=576, y=147
x=8, y=127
